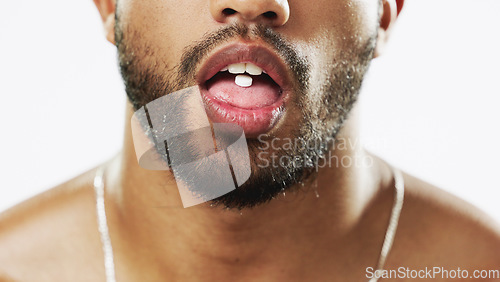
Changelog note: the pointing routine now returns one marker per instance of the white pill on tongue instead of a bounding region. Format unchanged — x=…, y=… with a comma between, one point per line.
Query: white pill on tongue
x=243, y=80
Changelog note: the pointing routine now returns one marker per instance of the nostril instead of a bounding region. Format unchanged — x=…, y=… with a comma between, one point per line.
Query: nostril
x=228, y=12
x=270, y=15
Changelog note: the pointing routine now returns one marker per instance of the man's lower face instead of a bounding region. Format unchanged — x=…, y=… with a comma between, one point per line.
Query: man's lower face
x=297, y=110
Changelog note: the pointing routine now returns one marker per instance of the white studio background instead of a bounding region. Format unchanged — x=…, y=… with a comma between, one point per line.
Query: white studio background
x=429, y=103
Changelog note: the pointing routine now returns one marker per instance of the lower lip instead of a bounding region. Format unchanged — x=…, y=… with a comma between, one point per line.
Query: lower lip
x=253, y=121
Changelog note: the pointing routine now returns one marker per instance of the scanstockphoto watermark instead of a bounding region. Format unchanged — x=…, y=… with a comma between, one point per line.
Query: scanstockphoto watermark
x=432, y=273
x=271, y=153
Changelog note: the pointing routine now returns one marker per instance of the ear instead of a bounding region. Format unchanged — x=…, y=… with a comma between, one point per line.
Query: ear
x=389, y=14
x=107, y=10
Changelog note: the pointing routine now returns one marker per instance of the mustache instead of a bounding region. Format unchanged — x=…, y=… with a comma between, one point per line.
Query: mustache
x=194, y=53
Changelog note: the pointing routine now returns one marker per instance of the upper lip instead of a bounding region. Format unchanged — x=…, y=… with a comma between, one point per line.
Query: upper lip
x=256, y=54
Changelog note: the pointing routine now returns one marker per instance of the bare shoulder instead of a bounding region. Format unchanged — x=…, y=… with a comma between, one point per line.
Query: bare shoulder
x=439, y=229
x=50, y=234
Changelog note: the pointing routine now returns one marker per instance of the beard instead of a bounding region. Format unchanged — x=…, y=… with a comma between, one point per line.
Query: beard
x=320, y=106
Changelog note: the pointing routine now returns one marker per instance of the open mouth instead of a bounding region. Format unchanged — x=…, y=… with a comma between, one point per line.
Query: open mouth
x=244, y=84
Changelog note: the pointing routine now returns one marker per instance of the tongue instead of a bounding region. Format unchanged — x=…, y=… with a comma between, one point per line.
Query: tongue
x=263, y=91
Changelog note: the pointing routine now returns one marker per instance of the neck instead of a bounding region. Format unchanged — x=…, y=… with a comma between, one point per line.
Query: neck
x=146, y=214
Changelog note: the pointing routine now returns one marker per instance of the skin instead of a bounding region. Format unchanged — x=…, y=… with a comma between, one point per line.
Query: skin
x=297, y=237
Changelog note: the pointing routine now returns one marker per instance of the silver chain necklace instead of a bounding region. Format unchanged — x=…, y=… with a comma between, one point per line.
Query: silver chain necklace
x=109, y=264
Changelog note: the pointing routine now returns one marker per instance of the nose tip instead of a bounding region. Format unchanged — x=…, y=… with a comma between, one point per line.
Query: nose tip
x=271, y=12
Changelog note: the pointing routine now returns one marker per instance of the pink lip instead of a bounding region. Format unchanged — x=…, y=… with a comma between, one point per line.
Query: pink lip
x=241, y=52
x=254, y=121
